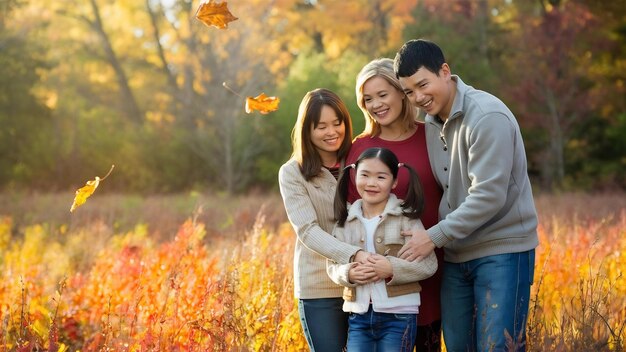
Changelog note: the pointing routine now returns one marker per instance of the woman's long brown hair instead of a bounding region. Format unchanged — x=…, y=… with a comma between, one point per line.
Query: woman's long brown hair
x=308, y=118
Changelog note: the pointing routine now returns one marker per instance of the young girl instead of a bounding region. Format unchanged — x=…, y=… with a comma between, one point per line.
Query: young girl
x=382, y=313
x=321, y=138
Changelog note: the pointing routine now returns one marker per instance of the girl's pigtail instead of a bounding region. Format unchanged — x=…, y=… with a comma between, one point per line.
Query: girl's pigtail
x=341, y=196
x=413, y=204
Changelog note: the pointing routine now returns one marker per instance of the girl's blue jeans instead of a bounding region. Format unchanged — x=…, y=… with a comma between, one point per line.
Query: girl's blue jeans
x=381, y=332
x=484, y=302
x=324, y=323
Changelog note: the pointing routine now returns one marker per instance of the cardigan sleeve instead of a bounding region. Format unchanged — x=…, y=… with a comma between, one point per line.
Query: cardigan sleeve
x=339, y=273
x=302, y=214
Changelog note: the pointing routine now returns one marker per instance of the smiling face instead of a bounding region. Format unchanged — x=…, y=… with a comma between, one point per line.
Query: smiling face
x=382, y=101
x=374, y=183
x=430, y=92
x=328, y=135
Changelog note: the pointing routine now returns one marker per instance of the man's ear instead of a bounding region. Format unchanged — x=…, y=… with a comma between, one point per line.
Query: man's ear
x=444, y=71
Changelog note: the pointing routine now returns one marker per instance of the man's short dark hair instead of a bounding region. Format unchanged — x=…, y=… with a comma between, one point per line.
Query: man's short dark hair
x=415, y=54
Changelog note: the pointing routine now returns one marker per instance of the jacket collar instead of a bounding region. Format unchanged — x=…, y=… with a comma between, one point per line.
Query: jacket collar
x=392, y=208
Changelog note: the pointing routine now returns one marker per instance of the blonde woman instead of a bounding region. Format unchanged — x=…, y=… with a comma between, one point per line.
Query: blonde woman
x=391, y=122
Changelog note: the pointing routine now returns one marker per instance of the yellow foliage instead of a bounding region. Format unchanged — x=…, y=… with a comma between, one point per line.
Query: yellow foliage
x=197, y=293
x=579, y=287
x=5, y=232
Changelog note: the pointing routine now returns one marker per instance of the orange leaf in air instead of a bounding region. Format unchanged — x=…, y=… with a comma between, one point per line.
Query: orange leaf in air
x=84, y=192
x=215, y=14
x=262, y=103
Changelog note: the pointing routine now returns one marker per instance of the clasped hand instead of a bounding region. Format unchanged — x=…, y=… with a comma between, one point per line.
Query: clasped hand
x=369, y=267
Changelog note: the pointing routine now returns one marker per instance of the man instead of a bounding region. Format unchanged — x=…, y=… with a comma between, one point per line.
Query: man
x=488, y=222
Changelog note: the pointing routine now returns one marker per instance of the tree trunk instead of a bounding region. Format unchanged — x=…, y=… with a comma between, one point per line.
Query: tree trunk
x=129, y=102
x=171, y=80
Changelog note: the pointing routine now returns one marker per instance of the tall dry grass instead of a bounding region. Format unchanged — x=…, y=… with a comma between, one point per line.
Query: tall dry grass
x=160, y=274
x=579, y=296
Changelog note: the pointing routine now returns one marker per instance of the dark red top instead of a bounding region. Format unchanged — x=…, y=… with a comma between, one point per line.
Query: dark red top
x=411, y=151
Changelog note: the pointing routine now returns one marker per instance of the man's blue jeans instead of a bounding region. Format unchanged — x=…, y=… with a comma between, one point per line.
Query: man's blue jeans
x=324, y=323
x=484, y=302
x=381, y=332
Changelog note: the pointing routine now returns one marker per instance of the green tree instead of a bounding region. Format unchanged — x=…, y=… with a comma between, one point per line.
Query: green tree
x=138, y=83
x=26, y=144
x=553, y=88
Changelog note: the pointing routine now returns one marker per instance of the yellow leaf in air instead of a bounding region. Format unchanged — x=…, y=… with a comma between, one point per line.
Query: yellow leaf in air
x=262, y=103
x=86, y=191
x=215, y=14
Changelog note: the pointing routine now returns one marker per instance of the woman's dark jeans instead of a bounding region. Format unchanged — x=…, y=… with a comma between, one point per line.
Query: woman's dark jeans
x=325, y=324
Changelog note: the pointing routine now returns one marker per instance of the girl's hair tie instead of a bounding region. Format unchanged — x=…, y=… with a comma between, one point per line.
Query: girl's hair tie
x=351, y=166
x=400, y=165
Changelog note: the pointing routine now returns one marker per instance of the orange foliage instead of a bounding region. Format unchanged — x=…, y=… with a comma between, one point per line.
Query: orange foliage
x=185, y=294
x=194, y=293
x=215, y=14
x=579, y=290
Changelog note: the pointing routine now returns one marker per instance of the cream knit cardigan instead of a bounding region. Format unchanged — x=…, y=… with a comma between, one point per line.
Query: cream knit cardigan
x=309, y=206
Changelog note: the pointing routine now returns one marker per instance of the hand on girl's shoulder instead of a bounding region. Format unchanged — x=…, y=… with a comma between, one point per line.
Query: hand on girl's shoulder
x=410, y=226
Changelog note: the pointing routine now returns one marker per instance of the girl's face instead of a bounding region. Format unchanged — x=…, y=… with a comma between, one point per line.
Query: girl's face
x=329, y=133
x=382, y=100
x=374, y=183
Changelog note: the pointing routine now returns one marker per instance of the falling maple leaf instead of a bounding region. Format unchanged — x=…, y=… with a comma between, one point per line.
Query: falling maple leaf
x=262, y=103
x=84, y=192
x=215, y=14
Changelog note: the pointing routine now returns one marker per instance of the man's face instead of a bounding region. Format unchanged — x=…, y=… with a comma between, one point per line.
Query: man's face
x=430, y=92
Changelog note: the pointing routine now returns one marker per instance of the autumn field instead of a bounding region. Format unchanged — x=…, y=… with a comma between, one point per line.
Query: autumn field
x=199, y=272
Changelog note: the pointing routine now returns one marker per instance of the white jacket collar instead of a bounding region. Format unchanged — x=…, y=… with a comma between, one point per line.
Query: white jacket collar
x=392, y=208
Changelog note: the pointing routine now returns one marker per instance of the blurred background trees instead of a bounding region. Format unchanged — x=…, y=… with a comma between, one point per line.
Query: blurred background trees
x=138, y=84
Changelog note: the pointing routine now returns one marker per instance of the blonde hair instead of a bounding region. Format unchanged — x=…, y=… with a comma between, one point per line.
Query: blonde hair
x=381, y=68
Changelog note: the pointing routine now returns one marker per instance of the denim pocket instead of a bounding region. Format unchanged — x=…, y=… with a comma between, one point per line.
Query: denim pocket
x=404, y=317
